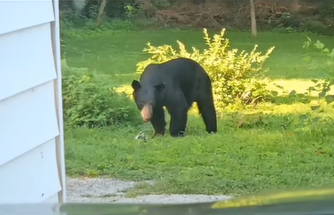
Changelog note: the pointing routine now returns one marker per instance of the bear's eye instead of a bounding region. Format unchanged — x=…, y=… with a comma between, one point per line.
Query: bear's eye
x=141, y=103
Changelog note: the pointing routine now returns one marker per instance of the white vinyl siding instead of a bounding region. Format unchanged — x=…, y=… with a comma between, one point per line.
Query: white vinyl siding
x=31, y=177
x=31, y=115
x=15, y=15
x=31, y=139
x=27, y=64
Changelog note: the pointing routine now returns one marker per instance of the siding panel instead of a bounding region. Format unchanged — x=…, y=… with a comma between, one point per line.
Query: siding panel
x=20, y=14
x=52, y=199
x=27, y=120
x=55, y=32
x=26, y=59
x=32, y=177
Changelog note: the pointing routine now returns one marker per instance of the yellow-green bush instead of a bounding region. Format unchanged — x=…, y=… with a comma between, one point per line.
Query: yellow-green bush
x=237, y=77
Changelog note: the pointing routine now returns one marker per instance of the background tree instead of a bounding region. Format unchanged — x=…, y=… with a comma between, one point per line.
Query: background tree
x=253, y=20
x=100, y=13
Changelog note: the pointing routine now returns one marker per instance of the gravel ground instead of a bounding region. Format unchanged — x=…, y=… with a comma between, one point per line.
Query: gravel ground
x=107, y=190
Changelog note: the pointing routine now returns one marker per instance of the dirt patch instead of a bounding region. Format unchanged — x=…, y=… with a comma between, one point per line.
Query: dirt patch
x=106, y=190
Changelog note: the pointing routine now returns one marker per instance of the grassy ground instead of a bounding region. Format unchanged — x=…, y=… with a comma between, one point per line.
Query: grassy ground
x=286, y=146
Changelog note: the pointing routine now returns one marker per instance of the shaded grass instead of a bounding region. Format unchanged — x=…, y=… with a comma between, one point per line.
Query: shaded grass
x=284, y=146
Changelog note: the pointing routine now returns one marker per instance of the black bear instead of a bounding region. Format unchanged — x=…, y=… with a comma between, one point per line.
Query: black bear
x=175, y=84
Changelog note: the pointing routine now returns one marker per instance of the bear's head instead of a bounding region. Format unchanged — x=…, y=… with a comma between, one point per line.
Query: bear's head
x=147, y=97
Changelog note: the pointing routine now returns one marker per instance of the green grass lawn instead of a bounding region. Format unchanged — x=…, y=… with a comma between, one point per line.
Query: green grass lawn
x=287, y=146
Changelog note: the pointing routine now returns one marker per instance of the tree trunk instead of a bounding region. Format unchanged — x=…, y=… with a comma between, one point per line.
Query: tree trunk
x=253, y=20
x=100, y=13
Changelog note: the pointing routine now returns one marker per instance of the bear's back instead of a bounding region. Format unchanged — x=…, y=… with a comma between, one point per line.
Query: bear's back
x=182, y=71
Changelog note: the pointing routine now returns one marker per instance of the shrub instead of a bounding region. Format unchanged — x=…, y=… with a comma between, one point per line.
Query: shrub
x=314, y=26
x=323, y=87
x=237, y=77
x=89, y=101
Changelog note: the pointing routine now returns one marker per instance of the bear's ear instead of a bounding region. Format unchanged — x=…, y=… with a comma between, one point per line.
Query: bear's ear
x=160, y=87
x=135, y=85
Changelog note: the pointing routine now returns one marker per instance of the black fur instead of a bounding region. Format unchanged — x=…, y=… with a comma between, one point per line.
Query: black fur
x=176, y=84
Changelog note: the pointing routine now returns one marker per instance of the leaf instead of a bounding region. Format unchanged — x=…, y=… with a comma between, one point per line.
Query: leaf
x=274, y=93
x=307, y=59
x=300, y=95
x=329, y=98
x=319, y=45
x=331, y=54
x=305, y=100
x=314, y=80
x=315, y=107
x=307, y=43
x=311, y=89
x=292, y=93
x=326, y=50
x=303, y=117
x=278, y=86
x=322, y=94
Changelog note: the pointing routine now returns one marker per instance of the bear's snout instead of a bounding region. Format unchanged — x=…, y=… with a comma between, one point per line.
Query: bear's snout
x=146, y=113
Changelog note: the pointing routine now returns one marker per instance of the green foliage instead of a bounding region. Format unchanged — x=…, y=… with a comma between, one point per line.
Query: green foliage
x=157, y=13
x=89, y=101
x=237, y=77
x=314, y=26
x=88, y=26
x=325, y=8
x=322, y=88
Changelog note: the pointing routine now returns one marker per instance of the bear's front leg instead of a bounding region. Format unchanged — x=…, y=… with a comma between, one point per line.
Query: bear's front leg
x=178, y=122
x=158, y=121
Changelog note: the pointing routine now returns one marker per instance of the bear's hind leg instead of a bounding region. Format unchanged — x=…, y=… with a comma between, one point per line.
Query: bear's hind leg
x=208, y=112
x=158, y=121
